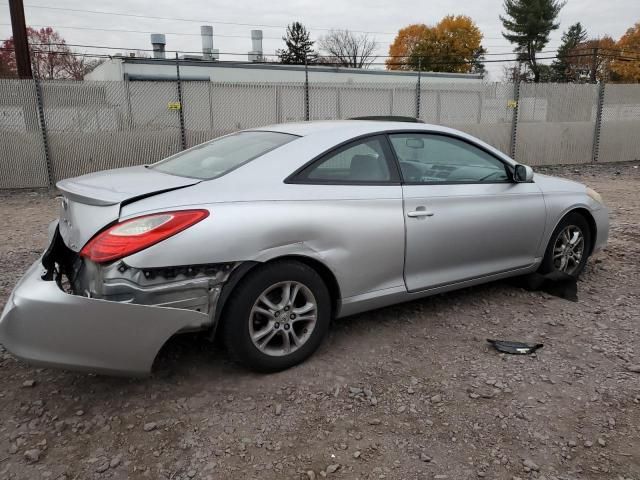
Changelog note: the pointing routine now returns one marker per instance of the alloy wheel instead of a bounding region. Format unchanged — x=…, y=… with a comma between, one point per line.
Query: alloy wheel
x=568, y=249
x=283, y=318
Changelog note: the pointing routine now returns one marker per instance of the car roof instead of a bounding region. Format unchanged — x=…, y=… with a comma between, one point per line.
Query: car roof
x=304, y=129
x=342, y=130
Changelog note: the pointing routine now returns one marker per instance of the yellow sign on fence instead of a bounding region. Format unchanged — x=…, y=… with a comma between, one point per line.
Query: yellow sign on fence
x=512, y=104
x=174, y=106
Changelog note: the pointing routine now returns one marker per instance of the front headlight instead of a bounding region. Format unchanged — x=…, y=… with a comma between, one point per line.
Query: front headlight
x=595, y=195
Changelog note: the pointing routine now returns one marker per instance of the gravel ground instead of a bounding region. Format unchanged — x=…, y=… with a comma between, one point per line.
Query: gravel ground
x=410, y=391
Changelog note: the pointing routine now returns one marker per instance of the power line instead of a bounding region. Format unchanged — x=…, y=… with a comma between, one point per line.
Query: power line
x=518, y=57
x=104, y=47
x=119, y=30
x=185, y=34
x=79, y=45
x=200, y=21
x=443, y=63
x=173, y=19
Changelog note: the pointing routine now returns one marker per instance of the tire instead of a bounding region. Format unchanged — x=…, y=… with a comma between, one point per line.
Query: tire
x=246, y=315
x=573, y=222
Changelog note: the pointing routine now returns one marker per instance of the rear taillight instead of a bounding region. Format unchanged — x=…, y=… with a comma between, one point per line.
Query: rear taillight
x=131, y=236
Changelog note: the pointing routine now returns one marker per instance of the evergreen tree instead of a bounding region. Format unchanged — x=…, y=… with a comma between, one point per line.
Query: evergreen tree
x=528, y=24
x=298, y=46
x=477, y=64
x=562, y=69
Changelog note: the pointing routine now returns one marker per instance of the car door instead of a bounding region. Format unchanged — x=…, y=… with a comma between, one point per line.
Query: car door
x=464, y=216
x=348, y=209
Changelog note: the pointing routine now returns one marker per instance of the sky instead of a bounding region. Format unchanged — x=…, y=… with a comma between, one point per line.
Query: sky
x=381, y=18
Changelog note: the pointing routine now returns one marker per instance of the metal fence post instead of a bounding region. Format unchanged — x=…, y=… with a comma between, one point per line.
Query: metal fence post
x=210, y=84
x=418, y=88
x=43, y=131
x=129, y=109
x=514, y=120
x=306, y=89
x=278, y=104
x=392, y=94
x=183, y=137
x=595, y=151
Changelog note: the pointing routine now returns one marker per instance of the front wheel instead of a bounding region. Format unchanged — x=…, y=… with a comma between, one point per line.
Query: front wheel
x=569, y=246
x=277, y=316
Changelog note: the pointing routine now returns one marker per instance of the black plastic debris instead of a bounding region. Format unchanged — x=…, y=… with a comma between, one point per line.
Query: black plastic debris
x=514, y=348
x=558, y=284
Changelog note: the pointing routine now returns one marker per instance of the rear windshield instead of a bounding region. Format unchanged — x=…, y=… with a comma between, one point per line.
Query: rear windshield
x=218, y=157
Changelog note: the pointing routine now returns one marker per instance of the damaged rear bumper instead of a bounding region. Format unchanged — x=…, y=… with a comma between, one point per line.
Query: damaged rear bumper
x=46, y=326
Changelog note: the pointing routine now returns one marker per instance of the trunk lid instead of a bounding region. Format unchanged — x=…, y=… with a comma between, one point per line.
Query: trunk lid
x=92, y=201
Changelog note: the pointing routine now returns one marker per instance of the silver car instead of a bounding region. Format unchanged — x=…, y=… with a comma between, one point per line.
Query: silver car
x=266, y=235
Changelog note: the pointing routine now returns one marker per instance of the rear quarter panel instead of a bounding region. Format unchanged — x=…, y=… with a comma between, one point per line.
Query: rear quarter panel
x=357, y=232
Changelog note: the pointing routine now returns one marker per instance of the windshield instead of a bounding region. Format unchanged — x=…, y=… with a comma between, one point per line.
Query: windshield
x=218, y=157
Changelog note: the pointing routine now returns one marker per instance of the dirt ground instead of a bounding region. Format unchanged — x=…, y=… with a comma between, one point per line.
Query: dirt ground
x=406, y=392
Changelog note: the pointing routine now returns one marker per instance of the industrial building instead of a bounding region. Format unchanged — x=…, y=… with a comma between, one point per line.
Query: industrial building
x=208, y=67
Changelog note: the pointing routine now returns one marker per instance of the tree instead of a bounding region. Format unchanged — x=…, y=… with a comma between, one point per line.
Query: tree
x=453, y=45
x=528, y=24
x=299, y=46
x=626, y=66
x=561, y=67
x=345, y=49
x=477, y=61
x=5, y=71
x=51, y=57
x=77, y=66
x=403, y=45
x=591, y=59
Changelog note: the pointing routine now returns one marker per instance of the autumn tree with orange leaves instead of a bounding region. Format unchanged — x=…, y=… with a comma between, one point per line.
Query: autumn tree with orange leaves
x=626, y=66
x=403, y=45
x=452, y=45
x=594, y=53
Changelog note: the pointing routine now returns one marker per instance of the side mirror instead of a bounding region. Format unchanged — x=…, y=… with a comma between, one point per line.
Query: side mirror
x=523, y=174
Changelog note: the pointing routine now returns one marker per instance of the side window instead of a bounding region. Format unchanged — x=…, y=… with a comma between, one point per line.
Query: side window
x=362, y=161
x=429, y=158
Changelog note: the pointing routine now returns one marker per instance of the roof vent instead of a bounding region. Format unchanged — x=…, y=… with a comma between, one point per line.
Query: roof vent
x=255, y=55
x=158, y=41
x=208, y=52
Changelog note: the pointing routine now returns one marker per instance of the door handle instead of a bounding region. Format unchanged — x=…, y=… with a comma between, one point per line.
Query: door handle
x=419, y=213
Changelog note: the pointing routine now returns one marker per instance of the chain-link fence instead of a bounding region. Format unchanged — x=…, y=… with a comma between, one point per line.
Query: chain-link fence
x=22, y=152
x=556, y=123
x=54, y=130
x=620, y=131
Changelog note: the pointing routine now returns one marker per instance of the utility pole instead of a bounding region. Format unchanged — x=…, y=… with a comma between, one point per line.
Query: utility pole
x=20, y=42
x=594, y=65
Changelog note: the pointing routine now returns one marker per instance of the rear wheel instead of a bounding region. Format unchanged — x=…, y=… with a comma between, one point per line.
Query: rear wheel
x=277, y=316
x=569, y=247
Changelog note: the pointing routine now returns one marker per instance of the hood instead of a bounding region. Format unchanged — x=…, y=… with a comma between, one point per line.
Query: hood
x=548, y=184
x=111, y=187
